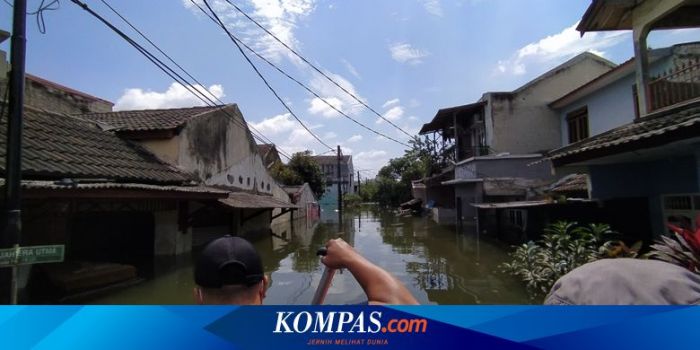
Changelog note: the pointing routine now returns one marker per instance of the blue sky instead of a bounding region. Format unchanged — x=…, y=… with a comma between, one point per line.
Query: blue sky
x=406, y=59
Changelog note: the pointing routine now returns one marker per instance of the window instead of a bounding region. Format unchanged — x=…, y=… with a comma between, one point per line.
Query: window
x=516, y=217
x=681, y=210
x=577, y=122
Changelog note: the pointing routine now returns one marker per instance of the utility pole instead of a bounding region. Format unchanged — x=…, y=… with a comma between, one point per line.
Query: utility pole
x=13, y=166
x=340, y=190
x=359, y=183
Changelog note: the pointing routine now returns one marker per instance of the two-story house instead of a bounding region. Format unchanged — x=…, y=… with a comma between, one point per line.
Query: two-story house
x=636, y=130
x=492, y=142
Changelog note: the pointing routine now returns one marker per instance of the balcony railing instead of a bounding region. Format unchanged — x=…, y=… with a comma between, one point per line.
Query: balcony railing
x=678, y=84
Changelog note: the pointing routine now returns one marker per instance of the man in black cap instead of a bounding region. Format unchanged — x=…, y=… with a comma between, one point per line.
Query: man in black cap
x=229, y=271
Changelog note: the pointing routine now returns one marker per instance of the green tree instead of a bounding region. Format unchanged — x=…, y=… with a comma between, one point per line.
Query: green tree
x=301, y=168
x=393, y=182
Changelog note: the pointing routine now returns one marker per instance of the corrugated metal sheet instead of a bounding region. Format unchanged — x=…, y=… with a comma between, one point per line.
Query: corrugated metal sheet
x=77, y=186
x=246, y=200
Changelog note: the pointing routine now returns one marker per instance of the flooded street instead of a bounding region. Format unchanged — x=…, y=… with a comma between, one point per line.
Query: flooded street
x=438, y=265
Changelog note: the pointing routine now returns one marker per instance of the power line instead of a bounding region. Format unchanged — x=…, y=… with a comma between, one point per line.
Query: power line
x=263, y=78
x=260, y=135
x=236, y=41
x=316, y=68
x=40, y=12
x=157, y=62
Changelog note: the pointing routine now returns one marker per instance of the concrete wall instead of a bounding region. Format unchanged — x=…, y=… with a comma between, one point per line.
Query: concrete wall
x=521, y=122
x=506, y=166
x=57, y=100
x=169, y=240
x=219, y=152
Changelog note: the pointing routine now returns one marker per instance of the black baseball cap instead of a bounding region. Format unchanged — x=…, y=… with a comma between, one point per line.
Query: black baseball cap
x=228, y=261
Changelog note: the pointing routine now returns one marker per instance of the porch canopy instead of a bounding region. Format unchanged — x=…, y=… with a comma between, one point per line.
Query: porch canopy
x=444, y=118
x=244, y=200
x=603, y=15
x=104, y=189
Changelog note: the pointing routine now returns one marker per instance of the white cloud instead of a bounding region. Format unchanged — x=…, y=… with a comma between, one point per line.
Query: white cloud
x=355, y=138
x=559, y=47
x=393, y=114
x=433, y=7
x=334, y=96
x=371, y=161
x=317, y=106
x=351, y=68
x=278, y=124
x=289, y=135
x=174, y=97
x=405, y=53
x=391, y=102
x=280, y=17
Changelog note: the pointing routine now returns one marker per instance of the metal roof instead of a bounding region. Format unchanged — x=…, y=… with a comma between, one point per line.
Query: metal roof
x=506, y=205
x=69, y=185
x=244, y=200
x=443, y=117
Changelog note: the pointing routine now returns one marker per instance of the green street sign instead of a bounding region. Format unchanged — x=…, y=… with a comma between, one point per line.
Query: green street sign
x=31, y=255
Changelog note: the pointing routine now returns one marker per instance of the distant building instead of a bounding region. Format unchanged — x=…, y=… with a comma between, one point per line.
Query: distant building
x=329, y=166
x=488, y=146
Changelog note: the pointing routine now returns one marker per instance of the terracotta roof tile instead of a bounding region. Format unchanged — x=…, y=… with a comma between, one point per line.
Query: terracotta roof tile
x=60, y=146
x=150, y=119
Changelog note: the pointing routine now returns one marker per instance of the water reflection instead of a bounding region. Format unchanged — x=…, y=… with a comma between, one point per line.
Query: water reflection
x=436, y=264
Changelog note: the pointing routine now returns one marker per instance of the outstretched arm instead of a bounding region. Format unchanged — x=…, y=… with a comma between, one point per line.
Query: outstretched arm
x=379, y=285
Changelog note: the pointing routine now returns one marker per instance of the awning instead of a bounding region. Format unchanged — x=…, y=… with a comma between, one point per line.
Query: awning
x=507, y=205
x=443, y=118
x=462, y=181
x=244, y=200
x=112, y=190
x=528, y=204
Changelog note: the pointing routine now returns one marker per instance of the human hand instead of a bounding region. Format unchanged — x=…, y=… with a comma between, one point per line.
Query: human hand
x=339, y=254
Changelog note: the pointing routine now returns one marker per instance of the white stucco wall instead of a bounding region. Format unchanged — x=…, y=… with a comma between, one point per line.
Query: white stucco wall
x=521, y=122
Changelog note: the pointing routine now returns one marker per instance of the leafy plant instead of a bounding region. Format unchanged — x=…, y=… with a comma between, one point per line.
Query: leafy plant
x=564, y=246
x=682, y=248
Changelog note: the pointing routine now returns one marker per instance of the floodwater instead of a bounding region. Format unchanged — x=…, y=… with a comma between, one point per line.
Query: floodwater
x=437, y=264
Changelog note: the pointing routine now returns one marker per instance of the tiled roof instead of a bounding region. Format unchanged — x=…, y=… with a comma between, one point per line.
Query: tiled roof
x=651, y=128
x=150, y=119
x=60, y=146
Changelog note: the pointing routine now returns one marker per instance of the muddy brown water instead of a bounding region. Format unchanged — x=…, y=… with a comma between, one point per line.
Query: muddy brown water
x=437, y=264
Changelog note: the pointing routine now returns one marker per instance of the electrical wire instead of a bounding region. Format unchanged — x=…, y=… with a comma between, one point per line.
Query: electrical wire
x=263, y=78
x=40, y=12
x=157, y=62
x=298, y=55
x=260, y=135
x=236, y=41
